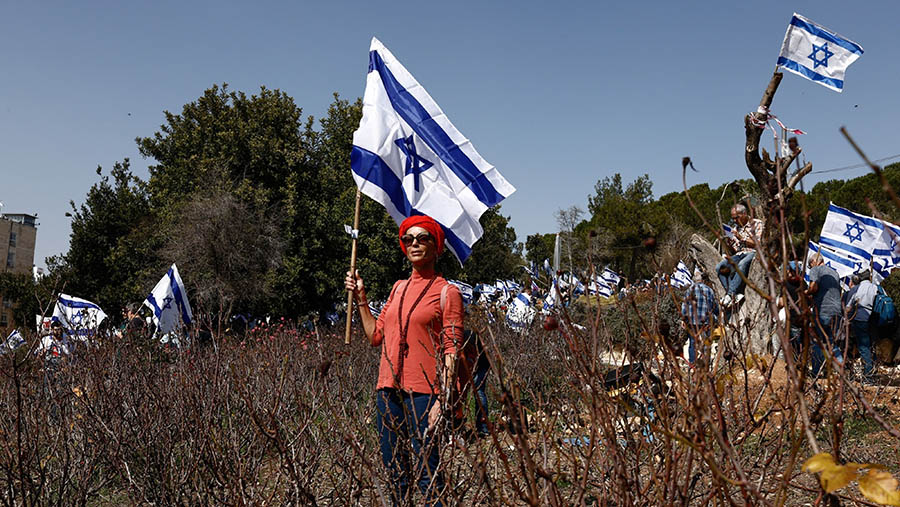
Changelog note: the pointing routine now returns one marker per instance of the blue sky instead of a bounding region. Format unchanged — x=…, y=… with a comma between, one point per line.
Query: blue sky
x=556, y=95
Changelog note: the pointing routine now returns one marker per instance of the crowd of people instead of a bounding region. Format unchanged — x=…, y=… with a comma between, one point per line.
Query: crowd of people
x=815, y=300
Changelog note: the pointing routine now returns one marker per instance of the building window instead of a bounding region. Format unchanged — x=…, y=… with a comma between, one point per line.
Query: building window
x=12, y=239
x=11, y=259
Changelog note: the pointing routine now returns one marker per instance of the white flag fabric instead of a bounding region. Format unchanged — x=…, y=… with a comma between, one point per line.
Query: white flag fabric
x=844, y=265
x=849, y=233
x=78, y=316
x=728, y=230
x=816, y=53
x=169, y=302
x=411, y=159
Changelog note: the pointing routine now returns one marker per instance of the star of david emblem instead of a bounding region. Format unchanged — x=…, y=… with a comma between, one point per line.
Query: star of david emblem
x=415, y=164
x=850, y=235
x=168, y=302
x=820, y=61
x=77, y=317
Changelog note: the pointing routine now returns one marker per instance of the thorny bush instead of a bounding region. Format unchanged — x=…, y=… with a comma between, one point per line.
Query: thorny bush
x=284, y=416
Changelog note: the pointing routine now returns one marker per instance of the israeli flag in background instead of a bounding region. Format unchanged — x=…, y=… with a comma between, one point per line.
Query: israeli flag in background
x=681, y=277
x=464, y=289
x=520, y=313
x=12, y=342
x=887, y=247
x=599, y=286
x=816, y=53
x=78, y=316
x=411, y=159
x=849, y=233
x=610, y=277
x=169, y=302
x=844, y=265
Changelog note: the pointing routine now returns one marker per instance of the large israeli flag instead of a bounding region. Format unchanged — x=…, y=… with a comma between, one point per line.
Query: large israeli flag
x=410, y=158
x=78, y=316
x=816, y=53
x=169, y=302
x=849, y=233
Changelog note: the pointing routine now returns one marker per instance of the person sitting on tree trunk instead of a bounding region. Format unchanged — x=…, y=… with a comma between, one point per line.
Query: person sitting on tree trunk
x=742, y=242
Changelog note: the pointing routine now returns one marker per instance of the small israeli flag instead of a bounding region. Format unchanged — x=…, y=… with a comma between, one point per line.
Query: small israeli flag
x=849, y=233
x=728, y=230
x=599, y=286
x=13, y=341
x=464, y=289
x=610, y=277
x=169, y=302
x=78, y=316
x=520, y=313
x=409, y=157
x=816, y=53
x=843, y=264
x=681, y=277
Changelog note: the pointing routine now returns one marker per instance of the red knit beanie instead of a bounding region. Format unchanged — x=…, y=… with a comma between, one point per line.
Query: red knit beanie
x=427, y=223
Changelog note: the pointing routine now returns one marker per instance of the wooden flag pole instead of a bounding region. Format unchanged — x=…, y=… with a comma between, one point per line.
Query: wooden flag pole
x=352, y=266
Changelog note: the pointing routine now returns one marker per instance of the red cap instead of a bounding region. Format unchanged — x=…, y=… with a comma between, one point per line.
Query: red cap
x=427, y=223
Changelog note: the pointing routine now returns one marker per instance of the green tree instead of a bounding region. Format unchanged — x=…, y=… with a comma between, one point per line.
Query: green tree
x=101, y=263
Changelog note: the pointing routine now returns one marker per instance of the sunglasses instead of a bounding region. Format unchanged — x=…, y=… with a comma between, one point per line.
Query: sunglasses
x=408, y=239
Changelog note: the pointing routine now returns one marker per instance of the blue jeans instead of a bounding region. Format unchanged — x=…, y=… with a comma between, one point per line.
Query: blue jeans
x=825, y=330
x=702, y=332
x=732, y=282
x=401, y=420
x=479, y=389
x=860, y=329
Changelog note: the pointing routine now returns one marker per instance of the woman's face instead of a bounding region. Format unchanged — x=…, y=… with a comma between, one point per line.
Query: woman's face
x=421, y=249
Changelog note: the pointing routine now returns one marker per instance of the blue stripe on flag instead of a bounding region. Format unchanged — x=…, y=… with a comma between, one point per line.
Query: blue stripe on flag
x=77, y=304
x=871, y=222
x=830, y=37
x=837, y=245
x=370, y=167
x=813, y=76
x=434, y=136
x=835, y=257
x=179, y=297
x=152, y=301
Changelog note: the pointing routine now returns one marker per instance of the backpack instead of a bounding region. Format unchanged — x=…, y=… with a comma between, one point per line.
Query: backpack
x=884, y=313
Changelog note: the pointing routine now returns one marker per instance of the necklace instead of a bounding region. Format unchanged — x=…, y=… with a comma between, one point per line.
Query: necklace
x=404, y=345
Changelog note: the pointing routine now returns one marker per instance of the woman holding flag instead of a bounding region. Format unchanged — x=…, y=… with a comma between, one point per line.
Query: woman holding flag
x=421, y=322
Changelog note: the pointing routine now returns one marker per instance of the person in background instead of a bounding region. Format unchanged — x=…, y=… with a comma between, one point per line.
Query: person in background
x=860, y=299
x=825, y=289
x=699, y=312
x=746, y=236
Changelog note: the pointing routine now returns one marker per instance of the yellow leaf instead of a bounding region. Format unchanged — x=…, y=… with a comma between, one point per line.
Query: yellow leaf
x=77, y=391
x=836, y=477
x=819, y=462
x=879, y=486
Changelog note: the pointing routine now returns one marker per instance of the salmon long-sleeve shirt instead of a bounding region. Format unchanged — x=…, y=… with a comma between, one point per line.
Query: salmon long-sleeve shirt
x=432, y=332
